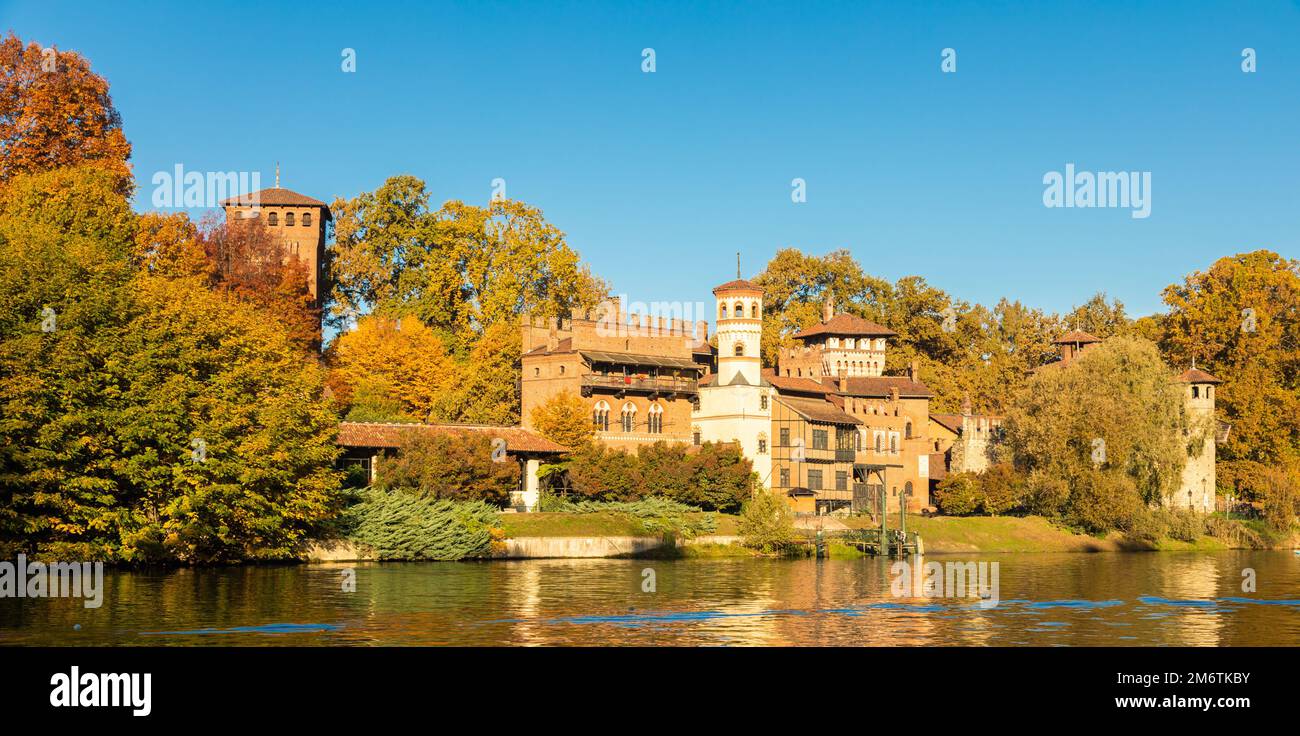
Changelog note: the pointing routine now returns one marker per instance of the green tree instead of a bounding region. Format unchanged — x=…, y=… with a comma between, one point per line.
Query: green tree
x=767, y=523
x=1114, y=411
x=144, y=418
x=458, y=269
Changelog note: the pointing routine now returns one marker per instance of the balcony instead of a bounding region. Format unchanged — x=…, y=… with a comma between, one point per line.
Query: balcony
x=661, y=386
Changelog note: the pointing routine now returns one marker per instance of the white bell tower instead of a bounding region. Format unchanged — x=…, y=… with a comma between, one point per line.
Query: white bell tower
x=740, y=329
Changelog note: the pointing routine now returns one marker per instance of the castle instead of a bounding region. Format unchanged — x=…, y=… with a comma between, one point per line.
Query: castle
x=825, y=428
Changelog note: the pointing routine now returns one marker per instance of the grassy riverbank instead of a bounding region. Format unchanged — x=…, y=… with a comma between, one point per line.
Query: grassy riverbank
x=942, y=534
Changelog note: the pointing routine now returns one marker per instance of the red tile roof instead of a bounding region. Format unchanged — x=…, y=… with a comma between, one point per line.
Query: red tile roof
x=881, y=385
x=277, y=197
x=846, y=324
x=390, y=435
x=818, y=410
x=737, y=285
x=951, y=422
x=1078, y=336
x=794, y=384
x=1196, y=375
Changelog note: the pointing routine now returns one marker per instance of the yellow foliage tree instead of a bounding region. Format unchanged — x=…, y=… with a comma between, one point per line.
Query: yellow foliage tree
x=563, y=418
x=400, y=359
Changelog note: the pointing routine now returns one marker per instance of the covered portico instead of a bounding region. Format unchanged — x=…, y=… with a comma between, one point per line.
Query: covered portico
x=364, y=443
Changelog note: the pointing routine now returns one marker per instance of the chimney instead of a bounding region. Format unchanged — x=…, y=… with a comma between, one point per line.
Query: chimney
x=702, y=332
x=828, y=310
x=914, y=371
x=844, y=380
x=552, y=336
x=965, y=406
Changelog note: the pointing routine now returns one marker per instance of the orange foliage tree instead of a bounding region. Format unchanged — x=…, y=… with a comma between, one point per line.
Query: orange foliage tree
x=56, y=112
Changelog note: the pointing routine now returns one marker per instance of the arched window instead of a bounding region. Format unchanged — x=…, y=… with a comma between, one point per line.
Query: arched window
x=753, y=310
x=907, y=489
x=273, y=219
x=722, y=311
x=288, y=219
x=740, y=349
x=306, y=219
x=880, y=442
x=739, y=311
x=907, y=430
x=600, y=417
x=762, y=443
x=656, y=419
x=893, y=444
x=629, y=417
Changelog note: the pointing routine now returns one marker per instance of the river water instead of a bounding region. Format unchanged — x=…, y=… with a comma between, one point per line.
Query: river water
x=1139, y=599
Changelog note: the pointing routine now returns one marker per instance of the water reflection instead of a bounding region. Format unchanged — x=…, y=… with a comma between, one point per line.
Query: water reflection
x=1044, y=600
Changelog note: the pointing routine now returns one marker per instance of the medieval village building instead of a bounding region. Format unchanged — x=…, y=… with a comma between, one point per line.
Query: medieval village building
x=825, y=428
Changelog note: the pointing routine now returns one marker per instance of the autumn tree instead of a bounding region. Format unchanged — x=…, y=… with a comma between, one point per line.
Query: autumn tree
x=1240, y=320
x=449, y=466
x=1100, y=317
x=397, y=360
x=144, y=418
x=962, y=350
x=458, y=269
x=564, y=419
x=248, y=263
x=56, y=112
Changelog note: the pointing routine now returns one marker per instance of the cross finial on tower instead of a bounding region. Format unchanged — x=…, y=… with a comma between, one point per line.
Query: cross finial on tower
x=737, y=264
x=277, y=174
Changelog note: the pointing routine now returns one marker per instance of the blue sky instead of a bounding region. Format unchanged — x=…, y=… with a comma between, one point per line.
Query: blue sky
x=659, y=179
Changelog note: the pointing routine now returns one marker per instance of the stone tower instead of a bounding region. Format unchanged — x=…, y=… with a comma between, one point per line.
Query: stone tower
x=1197, y=488
x=296, y=221
x=740, y=327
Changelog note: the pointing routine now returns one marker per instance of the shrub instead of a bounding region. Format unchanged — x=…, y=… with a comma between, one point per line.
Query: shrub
x=1104, y=500
x=403, y=526
x=959, y=494
x=766, y=523
x=1046, y=494
x=448, y=466
x=1281, y=497
x=1002, y=489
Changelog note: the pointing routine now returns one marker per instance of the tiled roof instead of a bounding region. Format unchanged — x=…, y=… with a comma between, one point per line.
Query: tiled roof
x=737, y=285
x=794, y=384
x=1196, y=375
x=817, y=410
x=846, y=324
x=1078, y=336
x=275, y=196
x=952, y=422
x=390, y=435
x=881, y=385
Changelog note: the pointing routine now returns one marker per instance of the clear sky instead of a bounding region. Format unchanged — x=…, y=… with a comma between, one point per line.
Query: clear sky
x=660, y=178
